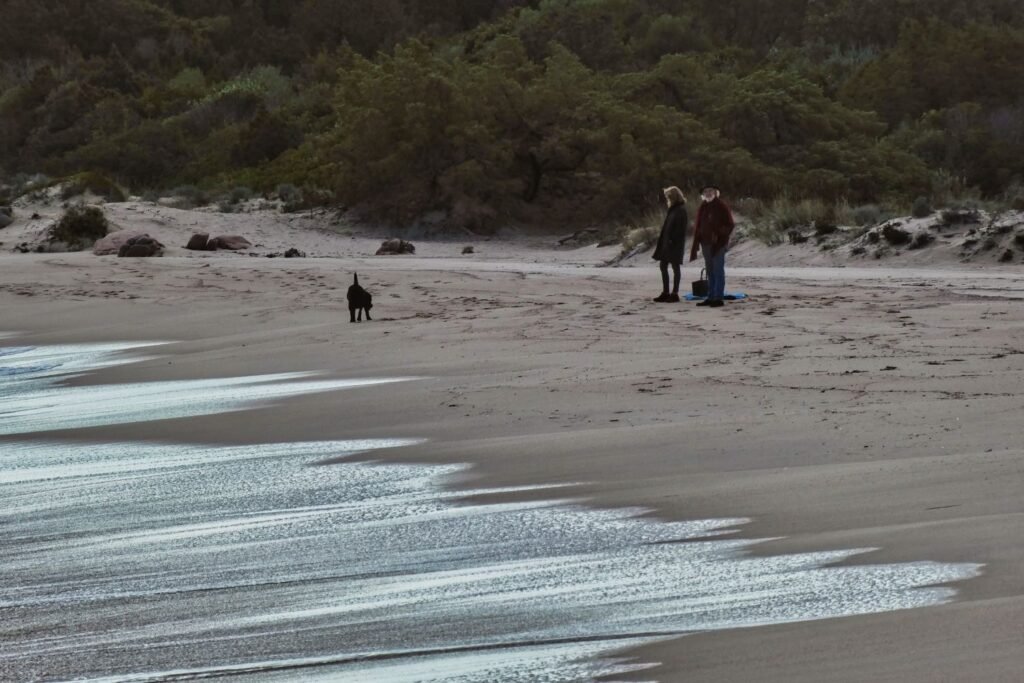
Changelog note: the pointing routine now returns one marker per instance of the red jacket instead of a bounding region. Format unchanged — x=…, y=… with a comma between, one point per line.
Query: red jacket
x=713, y=227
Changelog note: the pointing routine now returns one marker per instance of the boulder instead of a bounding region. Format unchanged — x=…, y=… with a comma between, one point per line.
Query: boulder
x=231, y=242
x=112, y=243
x=137, y=251
x=392, y=247
x=294, y=253
x=468, y=250
x=6, y=216
x=198, y=242
x=141, y=246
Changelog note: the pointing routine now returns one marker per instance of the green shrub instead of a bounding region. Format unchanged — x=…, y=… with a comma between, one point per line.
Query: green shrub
x=21, y=184
x=640, y=238
x=765, y=232
x=960, y=215
x=287, y=192
x=796, y=237
x=94, y=183
x=240, y=194
x=787, y=214
x=191, y=195
x=867, y=214
x=80, y=227
x=785, y=218
x=749, y=207
x=189, y=82
x=922, y=208
x=844, y=213
x=290, y=196
x=921, y=239
x=264, y=139
x=147, y=155
x=266, y=81
x=670, y=34
x=895, y=235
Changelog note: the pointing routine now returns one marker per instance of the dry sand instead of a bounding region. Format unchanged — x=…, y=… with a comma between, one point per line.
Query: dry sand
x=837, y=408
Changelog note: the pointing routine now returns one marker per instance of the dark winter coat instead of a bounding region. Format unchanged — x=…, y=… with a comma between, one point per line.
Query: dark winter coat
x=672, y=240
x=713, y=227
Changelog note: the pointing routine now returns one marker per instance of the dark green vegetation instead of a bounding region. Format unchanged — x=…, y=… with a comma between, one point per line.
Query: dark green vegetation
x=552, y=111
x=79, y=227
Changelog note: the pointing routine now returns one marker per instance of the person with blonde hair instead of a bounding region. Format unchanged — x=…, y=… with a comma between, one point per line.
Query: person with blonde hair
x=672, y=243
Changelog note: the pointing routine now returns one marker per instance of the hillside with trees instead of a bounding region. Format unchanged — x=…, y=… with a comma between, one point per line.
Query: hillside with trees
x=511, y=110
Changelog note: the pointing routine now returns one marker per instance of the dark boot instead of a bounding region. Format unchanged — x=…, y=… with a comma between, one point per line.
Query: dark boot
x=663, y=298
x=673, y=298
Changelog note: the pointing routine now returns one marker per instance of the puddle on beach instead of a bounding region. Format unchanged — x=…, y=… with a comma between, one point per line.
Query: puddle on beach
x=132, y=561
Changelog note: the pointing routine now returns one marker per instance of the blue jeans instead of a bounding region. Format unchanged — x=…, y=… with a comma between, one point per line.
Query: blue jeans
x=715, y=267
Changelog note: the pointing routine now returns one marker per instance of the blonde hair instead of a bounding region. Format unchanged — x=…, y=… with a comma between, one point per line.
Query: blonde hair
x=673, y=195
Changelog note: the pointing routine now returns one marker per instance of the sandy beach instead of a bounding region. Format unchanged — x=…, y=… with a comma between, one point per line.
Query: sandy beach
x=873, y=406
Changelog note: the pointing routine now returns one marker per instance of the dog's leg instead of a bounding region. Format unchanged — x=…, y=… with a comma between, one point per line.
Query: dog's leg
x=351, y=315
x=368, y=314
x=359, y=315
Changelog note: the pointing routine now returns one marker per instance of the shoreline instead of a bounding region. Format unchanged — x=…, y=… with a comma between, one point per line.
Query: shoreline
x=527, y=368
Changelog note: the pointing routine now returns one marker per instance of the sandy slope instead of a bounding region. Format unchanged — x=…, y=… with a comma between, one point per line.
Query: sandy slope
x=838, y=408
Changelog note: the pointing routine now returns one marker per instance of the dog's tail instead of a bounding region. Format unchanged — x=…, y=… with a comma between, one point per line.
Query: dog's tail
x=356, y=276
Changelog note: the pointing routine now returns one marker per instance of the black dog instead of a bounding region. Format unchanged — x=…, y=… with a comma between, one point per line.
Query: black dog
x=359, y=300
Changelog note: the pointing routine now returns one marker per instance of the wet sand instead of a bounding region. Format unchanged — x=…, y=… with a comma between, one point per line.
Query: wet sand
x=835, y=408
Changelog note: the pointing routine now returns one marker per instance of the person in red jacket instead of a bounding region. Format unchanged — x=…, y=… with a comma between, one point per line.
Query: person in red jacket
x=711, y=233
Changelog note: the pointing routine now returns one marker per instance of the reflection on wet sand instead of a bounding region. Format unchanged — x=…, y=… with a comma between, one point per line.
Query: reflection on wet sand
x=132, y=561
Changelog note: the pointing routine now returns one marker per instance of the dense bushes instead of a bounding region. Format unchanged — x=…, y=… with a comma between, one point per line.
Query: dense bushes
x=92, y=183
x=494, y=111
x=79, y=227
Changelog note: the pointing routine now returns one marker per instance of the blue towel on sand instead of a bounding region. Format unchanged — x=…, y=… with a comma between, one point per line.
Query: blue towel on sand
x=729, y=296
